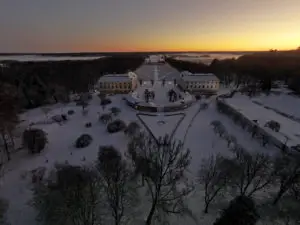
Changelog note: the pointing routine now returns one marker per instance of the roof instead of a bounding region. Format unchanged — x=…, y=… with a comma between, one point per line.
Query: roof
x=200, y=77
x=115, y=78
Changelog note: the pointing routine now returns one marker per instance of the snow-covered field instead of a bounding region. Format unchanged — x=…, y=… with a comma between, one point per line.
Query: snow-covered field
x=289, y=129
x=200, y=140
x=281, y=102
x=194, y=130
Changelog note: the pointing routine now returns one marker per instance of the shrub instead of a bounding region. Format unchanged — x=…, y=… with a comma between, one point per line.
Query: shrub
x=198, y=97
x=116, y=126
x=273, y=125
x=115, y=110
x=71, y=112
x=89, y=124
x=105, y=101
x=34, y=140
x=132, y=129
x=59, y=118
x=241, y=211
x=105, y=118
x=83, y=141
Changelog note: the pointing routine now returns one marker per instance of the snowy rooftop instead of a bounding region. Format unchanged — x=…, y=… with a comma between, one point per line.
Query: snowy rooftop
x=115, y=78
x=200, y=77
x=288, y=128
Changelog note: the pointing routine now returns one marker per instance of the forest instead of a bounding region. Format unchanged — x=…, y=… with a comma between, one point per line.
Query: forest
x=38, y=83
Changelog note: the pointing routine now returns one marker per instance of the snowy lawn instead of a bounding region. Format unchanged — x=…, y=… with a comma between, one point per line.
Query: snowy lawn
x=161, y=125
x=288, y=128
x=282, y=102
x=59, y=149
x=200, y=139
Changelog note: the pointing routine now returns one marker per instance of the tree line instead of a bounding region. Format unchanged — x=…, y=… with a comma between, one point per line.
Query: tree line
x=38, y=83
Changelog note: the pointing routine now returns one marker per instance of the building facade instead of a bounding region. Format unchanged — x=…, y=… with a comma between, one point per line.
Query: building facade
x=117, y=83
x=155, y=59
x=199, y=83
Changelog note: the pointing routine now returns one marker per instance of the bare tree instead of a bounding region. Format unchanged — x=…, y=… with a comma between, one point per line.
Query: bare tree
x=165, y=170
x=69, y=197
x=253, y=172
x=8, y=116
x=219, y=128
x=287, y=168
x=214, y=175
x=132, y=129
x=230, y=140
x=115, y=176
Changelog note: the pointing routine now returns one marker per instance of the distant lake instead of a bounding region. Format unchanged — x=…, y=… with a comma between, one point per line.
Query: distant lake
x=27, y=58
x=205, y=58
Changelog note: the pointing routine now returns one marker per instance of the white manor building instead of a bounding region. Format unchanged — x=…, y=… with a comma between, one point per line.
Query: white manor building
x=155, y=59
x=118, y=83
x=199, y=82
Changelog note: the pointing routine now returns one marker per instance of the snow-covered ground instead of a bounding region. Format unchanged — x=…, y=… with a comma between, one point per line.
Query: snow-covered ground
x=289, y=129
x=162, y=125
x=200, y=140
x=281, y=102
x=195, y=130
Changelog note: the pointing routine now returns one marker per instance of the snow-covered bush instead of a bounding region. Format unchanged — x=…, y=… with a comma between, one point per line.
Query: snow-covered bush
x=71, y=112
x=89, y=124
x=132, y=129
x=116, y=126
x=105, y=101
x=83, y=141
x=115, y=110
x=59, y=118
x=34, y=140
x=105, y=118
x=273, y=125
x=241, y=211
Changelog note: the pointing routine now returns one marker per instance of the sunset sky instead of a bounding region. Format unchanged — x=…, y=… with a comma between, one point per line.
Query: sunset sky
x=148, y=25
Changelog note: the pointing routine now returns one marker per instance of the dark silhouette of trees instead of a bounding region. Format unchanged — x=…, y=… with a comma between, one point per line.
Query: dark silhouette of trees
x=214, y=175
x=8, y=115
x=115, y=175
x=287, y=167
x=241, y=211
x=164, y=168
x=38, y=83
x=70, y=196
